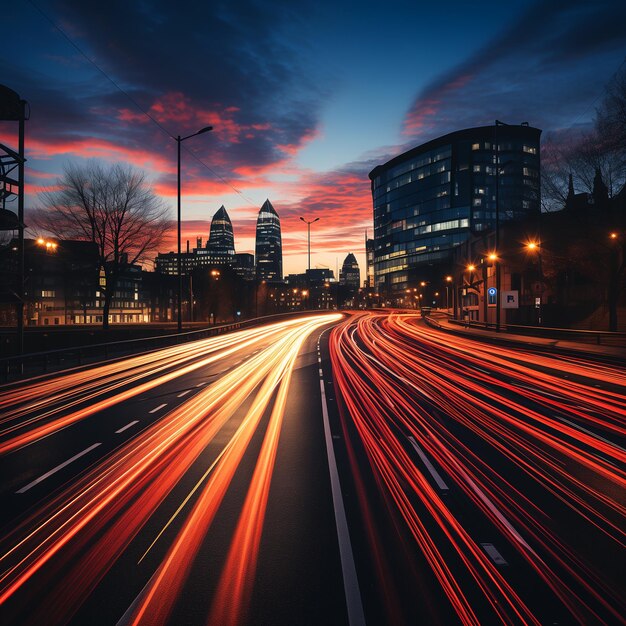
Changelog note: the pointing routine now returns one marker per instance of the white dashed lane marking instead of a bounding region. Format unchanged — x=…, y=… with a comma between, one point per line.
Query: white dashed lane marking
x=54, y=470
x=123, y=428
x=158, y=408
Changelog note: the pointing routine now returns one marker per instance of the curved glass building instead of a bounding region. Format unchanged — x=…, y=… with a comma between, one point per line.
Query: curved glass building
x=221, y=244
x=269, y=248
x=429, y=199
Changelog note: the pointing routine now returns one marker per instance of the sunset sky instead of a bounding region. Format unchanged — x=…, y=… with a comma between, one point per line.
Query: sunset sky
x=305, y=97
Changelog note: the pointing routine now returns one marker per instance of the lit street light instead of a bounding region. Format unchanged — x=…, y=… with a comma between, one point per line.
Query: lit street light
x=179, y=140
x=448, y=281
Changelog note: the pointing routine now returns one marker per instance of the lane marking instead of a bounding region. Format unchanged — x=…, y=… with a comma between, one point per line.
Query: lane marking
x=123, y=428
x=480, y=370
x=354, y=605
x=57, y=468
x=200, y=384
x=541, y=391
x=320, y=371
x=158, y=408
x=492, y=551
x=494, y=509
x=591, y=433
x=429, y=466
x=183, y=393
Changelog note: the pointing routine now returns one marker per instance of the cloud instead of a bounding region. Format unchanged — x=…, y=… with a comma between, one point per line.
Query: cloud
x=547, y=68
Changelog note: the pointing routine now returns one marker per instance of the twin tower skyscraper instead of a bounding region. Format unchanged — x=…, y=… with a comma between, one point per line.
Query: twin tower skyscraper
x=268, y=246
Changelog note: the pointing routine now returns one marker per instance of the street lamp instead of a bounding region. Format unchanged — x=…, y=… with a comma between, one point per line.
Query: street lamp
x=308, y=228
x=179, y=140
x=448, y=281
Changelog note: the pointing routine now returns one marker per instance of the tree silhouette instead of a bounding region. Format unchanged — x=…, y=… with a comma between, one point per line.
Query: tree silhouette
x=114, y=207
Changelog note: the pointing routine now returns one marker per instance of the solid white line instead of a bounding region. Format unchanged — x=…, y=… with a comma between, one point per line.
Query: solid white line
x=429, y=466
x=123, y=428
x=57, y=468
x=158, y=408
x=492, y=551
x=350, y=580
x=183, y=393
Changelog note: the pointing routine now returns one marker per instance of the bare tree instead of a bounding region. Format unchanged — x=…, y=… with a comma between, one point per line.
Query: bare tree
x=112, y=206
x=582, y=154
x=611, y=118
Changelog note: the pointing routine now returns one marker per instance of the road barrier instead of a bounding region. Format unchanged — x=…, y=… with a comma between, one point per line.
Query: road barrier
x=34, y=363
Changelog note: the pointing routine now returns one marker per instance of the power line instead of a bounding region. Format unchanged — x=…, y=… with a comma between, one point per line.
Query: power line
x=134, y=102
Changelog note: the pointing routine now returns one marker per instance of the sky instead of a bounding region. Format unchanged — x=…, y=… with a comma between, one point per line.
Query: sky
x=305, y=98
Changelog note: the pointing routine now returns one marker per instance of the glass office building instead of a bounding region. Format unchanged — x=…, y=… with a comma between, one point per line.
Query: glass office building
x=429, y=199
x=268, y=249
x=221, y=245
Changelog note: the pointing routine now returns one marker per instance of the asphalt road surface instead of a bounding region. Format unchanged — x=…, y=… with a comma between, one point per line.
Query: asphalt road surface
x=322, y=470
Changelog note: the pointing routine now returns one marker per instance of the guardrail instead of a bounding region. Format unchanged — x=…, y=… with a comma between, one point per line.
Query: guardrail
x=33, y=363
x=599, y=337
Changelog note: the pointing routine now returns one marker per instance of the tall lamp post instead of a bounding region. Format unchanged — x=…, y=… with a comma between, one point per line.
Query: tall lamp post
x=448, y=281
x=497, y=250
x=179, y=140
x=308, y=228
x=496, y=147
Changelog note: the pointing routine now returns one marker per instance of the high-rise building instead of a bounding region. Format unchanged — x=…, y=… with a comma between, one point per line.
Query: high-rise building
x=221, y=243
x=350, y=275
x=269, y=249
x=428, y=200
x=369, y=262
x=243, y=265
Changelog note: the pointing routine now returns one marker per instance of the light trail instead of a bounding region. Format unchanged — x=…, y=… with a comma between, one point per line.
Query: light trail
x=506, y=429
x=67, y=545
x=117, y=381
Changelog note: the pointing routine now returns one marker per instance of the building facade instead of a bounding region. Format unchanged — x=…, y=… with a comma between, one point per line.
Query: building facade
x=428, y=200
x=350, y=274
x=221, y=244
x=269, y=250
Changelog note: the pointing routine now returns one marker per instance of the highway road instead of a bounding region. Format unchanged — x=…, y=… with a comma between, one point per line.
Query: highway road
x=324, y=470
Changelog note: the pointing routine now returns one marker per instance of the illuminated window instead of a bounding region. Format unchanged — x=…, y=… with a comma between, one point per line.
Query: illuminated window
x=530, y=149
x=475, y=146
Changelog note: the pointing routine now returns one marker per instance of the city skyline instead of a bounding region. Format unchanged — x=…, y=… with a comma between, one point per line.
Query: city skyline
x=285, y=125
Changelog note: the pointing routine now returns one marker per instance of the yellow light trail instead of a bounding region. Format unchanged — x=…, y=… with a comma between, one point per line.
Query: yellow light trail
x=94, y=519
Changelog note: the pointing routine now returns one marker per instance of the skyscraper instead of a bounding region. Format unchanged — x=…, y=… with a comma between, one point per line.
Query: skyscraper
x=350, y=275
x=269, y=248
x=221, y=244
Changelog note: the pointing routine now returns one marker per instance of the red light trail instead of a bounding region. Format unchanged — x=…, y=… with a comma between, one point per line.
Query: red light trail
x=402, y=384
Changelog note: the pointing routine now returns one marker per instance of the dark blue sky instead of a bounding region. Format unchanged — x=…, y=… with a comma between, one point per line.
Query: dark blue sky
x=305, y=97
